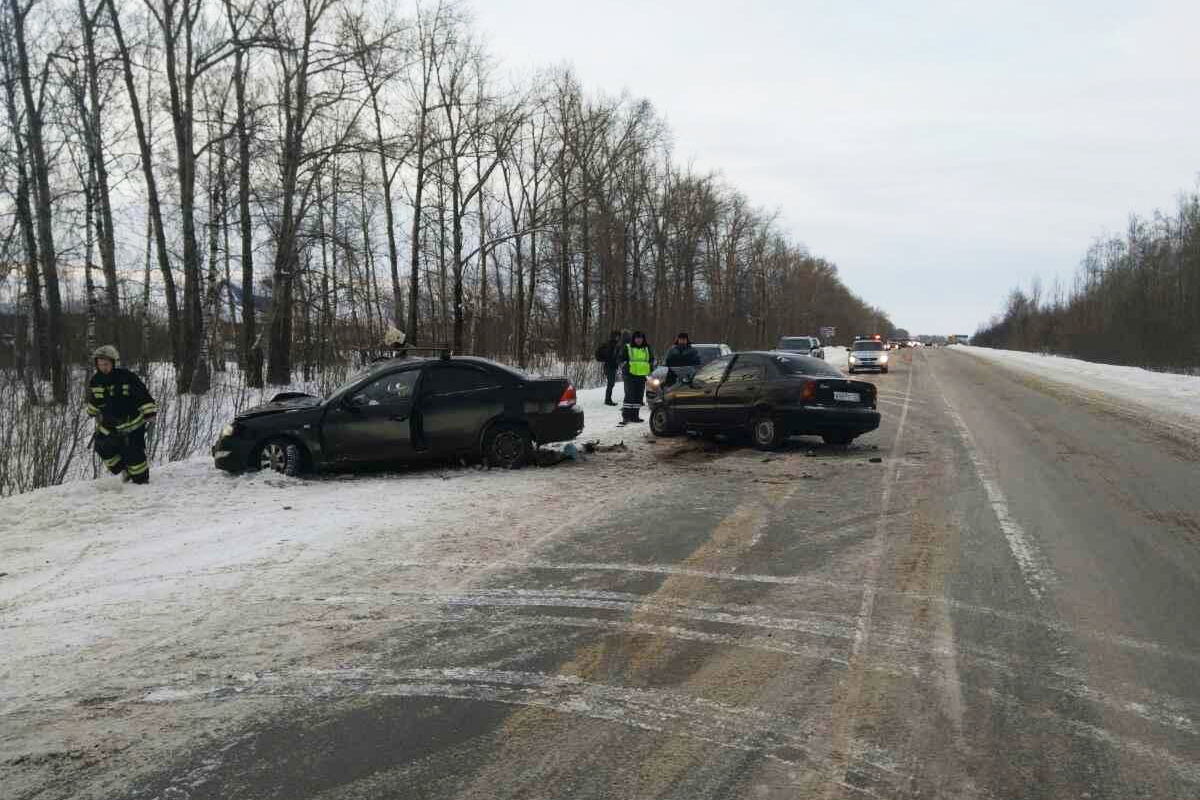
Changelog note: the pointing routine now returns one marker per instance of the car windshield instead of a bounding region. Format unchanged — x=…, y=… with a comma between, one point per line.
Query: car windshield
x=795, y=343
x=804, y=365
x=860, y=347
x=708, y=352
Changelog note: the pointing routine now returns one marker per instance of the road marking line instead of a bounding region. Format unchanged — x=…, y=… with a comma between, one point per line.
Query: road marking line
x=1035, y=570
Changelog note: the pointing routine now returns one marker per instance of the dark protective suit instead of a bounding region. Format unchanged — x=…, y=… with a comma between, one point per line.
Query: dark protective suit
x=121, y=405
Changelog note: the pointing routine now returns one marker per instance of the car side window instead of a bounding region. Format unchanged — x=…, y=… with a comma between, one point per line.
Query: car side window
x=712, y=371
x=746, y=369
x=454, y=379
x=389, y=390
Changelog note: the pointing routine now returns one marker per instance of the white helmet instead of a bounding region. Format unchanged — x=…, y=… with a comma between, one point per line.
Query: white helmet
x=106, y=351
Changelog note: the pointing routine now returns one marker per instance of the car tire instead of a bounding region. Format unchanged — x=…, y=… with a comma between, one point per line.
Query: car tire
x=507, y=447
x=838, y=438
x=884, y=370
x=766, y=433
x=662, y=422
x=282, y=456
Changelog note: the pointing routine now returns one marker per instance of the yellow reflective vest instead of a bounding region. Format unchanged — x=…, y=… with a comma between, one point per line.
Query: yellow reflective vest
x=639, y=360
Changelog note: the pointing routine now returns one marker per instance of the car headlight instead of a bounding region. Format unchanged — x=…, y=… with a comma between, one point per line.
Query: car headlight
x=227, y=430
x=883, y=359
x=655, y=383
x=853, y=359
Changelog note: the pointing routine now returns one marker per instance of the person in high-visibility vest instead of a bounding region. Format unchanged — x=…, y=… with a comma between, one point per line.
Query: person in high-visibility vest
x=638, y=358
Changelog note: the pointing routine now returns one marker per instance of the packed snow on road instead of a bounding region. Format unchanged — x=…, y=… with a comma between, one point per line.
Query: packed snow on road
x=107, y=587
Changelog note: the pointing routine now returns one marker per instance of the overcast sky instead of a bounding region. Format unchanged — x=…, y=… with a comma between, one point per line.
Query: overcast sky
x=939, y=152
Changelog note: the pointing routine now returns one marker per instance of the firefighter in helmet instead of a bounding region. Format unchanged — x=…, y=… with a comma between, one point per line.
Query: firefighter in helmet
x=122, y=406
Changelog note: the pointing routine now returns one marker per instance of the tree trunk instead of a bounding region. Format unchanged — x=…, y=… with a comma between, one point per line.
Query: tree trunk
x=43, y=206
x=104, y=219
x=152, y=197
x=252, y=354
x=39, y=362
x=180, y=93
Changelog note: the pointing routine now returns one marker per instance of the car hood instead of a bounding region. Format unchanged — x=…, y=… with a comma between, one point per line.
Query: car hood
x=282, y=405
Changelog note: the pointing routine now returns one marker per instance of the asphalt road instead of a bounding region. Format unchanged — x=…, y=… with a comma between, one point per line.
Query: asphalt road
x=993, y=596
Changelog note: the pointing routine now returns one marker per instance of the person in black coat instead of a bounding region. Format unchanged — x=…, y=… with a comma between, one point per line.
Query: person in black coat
x=122, y=406
x=683, y=354
x=609, y=354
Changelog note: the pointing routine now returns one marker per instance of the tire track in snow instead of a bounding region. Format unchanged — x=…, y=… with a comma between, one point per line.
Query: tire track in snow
x=804, y=580
x=849, y=706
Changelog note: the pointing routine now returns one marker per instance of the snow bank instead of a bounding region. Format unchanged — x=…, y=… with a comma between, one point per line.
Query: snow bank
x=1177, y=395
x=838, y=357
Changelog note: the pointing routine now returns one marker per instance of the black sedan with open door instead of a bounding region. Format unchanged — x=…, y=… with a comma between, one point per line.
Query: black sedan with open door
x=405, y=410
x=771, y=396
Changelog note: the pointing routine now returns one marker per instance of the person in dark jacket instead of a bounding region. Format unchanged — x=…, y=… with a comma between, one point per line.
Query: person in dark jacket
x=683, y=354
x=122, y=406
x=609, y=354
x=638, y=358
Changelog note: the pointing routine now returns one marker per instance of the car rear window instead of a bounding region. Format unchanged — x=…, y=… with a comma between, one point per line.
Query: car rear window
x=796, y=343
x=803, y=365
x=868, y=345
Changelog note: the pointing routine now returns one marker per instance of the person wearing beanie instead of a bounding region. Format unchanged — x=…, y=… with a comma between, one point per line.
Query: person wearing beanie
x=121, y=405
x=683, y=354
x=638, y=358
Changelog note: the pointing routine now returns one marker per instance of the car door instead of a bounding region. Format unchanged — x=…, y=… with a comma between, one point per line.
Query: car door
x=695, y=403
x=456, y=401
x=373, y=424
x=741, y=390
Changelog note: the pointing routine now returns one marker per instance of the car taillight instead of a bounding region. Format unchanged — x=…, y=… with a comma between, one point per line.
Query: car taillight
x=568, y=398
x=809, y=392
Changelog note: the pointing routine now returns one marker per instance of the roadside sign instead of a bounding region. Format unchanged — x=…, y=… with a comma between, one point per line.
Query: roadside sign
x=828, y=333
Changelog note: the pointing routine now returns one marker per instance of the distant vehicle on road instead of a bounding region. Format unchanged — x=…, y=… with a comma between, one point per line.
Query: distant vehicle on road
x=867, y=354
x=405, y=410
x=771, y=396
x=670, y=375
x=805, y=345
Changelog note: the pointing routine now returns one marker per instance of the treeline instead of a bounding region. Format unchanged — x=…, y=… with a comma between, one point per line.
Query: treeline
x=1135, y=299
x=274, y=182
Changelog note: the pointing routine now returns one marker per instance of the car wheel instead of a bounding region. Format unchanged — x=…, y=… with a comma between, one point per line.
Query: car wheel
x=662, y=422
x=838, y=438
x=766, y=432
x=507, y=447
x=884, y=370
x=282, y=456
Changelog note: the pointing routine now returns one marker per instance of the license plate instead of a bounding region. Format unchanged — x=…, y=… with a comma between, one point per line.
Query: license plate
x=848, y=397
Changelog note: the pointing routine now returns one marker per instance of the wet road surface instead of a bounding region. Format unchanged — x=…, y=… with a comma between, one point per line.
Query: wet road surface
x=992, y=596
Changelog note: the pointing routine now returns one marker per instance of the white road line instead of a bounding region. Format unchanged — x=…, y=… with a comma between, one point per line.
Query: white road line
x=1033, y=565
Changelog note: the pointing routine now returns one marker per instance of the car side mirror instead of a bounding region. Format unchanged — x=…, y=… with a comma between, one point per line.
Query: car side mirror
x=355, y=402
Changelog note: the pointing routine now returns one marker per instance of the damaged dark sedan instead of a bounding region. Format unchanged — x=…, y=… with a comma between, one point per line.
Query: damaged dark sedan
x=405, y=410
x=770, y=396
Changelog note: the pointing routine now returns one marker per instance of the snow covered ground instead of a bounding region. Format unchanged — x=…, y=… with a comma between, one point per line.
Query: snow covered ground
x=1175, y=397
x=109, y=590
x=838, y=357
